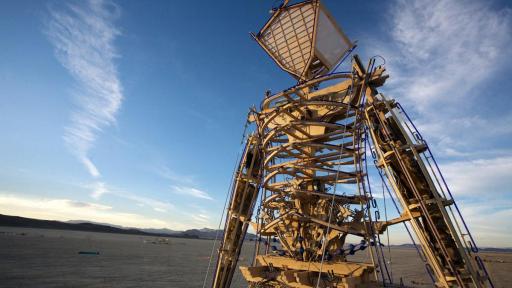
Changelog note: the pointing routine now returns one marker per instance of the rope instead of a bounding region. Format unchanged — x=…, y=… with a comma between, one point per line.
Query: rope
x=258, y=235
x=366, y=207
x=324, y=245
x=420, y=254
x=376, y=239
x=375, y=236
x=334, y=193
x=387, y=230
x=225, y=205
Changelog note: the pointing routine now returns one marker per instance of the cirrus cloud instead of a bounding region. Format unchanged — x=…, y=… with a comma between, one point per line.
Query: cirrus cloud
x=441, y=50
x=83, y=35
x=193, y=192
x=66, y=209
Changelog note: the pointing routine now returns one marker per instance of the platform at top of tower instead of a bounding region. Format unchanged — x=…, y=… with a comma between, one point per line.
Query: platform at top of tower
x=303, y=39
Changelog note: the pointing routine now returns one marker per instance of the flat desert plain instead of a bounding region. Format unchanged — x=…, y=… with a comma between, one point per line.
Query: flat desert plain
x=50, y=258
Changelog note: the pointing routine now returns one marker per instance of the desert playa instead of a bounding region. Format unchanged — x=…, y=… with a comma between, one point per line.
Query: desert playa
x=50, y=258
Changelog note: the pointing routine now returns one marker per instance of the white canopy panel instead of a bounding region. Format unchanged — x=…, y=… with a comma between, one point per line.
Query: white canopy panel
x=304, y=39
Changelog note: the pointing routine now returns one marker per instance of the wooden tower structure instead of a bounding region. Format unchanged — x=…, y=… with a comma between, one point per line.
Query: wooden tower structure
x=304, y=171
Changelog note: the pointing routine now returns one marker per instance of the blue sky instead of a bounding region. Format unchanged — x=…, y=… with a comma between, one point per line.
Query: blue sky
x=132, y=112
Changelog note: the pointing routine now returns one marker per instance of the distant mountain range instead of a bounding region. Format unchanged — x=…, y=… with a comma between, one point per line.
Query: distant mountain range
x=83, y=225
x=205, y=233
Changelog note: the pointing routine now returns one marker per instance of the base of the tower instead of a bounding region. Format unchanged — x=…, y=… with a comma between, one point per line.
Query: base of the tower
x=276, y=271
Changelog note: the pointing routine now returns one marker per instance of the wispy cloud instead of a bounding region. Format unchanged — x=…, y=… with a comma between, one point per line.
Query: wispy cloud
x=493, y=229
x=200, y=218
x=65, y=209
x=472, y=136
x=442, y=56
x=441, y=50
x=482, y=178
x=99, y=189
x=168, y=174
x=189, y=191
x=181, y=184
x=157, y=205
x=83, y=35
